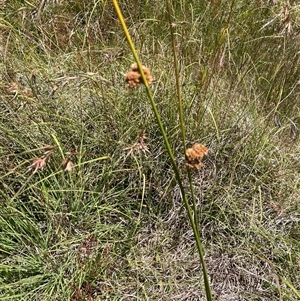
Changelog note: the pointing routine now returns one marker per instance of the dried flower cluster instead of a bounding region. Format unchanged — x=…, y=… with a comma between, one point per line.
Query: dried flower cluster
x=87, y=249
x=133, y=77
x=38, y=163
x=41, y=162
x=139, y=145
x=195, y=154
x=16, y=90
x=67, y=164
x=286, y=19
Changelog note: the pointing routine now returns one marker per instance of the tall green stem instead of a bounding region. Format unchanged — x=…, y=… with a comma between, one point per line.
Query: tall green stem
x=183, y=135
x=177, y=77
x=191, y=217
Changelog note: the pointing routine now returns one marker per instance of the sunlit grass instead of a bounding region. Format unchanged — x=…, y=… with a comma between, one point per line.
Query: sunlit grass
x=114, y=227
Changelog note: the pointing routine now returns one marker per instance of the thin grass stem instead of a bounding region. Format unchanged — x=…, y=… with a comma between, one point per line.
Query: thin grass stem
x=183, y=135
x=177, y=76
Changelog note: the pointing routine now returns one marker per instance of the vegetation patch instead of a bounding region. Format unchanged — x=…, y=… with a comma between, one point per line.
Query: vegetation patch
x=91, y=206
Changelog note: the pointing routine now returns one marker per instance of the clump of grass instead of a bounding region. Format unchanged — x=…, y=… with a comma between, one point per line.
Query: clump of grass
x=114, y=228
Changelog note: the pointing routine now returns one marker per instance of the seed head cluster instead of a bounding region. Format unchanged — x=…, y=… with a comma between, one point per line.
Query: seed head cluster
x=134, y=77
x=195, y=154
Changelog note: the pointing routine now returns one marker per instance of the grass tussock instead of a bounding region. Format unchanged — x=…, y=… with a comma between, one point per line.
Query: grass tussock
x=90, y=206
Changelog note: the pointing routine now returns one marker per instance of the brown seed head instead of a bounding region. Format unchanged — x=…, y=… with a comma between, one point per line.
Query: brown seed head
x=133, y=77
x=195, y=154
x=38, y=163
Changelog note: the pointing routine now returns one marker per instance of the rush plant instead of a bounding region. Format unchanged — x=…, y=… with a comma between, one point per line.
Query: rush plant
x=191, y=210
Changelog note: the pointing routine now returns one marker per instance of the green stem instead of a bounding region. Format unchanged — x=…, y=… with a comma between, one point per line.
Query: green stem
x=167, y=144
x=176, y=69
x=183, y=134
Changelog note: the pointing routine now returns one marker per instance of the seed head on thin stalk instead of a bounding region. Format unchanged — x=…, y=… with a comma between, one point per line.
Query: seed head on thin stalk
x=195, y=154
x=133, y=77
x=40, y=163
x=138, y=146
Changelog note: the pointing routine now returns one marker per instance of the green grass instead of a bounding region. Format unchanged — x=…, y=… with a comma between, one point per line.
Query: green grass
x=114, y=228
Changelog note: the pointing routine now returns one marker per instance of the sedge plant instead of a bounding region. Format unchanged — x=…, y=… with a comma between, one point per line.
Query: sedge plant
x=191, y=211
